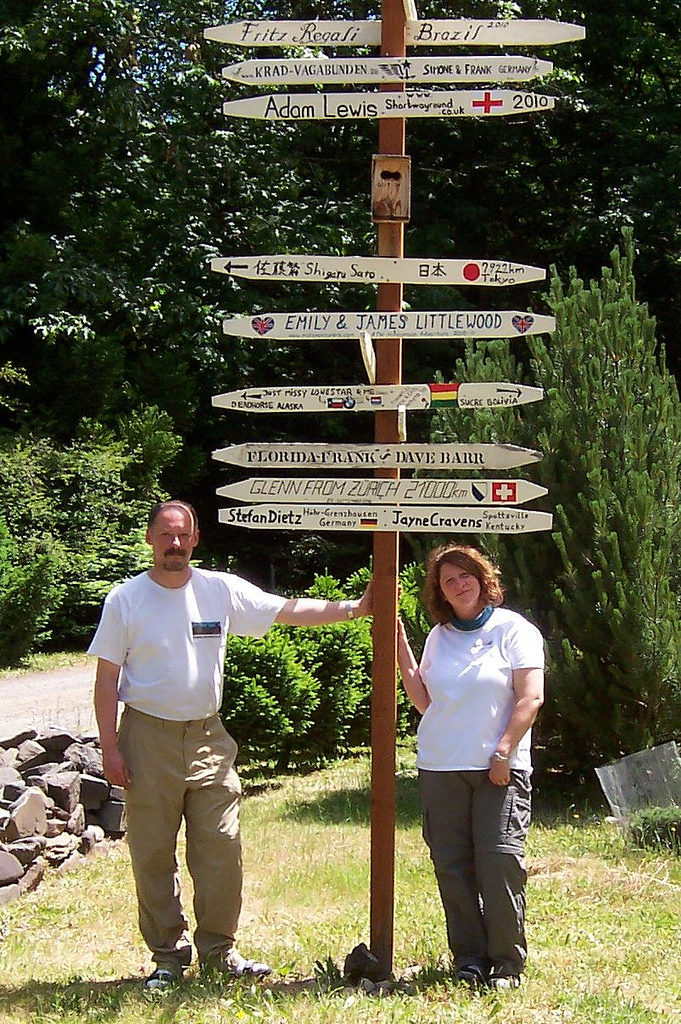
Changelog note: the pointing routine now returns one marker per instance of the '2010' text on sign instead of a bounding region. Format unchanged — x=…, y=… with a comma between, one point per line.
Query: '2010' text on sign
x=503, y=32
x=336, y=106
x=378, y=270
x=378, y=456
x=417, y=491
x=426, y=324
x=374, y=70
x=410, y=518
x=371, y=397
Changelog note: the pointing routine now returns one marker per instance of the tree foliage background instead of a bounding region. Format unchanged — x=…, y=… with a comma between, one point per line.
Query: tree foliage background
x=120, y=179
x=604, y=585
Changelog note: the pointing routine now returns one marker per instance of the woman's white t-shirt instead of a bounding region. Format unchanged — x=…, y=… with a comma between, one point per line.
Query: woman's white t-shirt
x=469, y=679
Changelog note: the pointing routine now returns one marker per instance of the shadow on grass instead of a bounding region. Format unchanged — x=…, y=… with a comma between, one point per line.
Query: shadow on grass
x=106, y=1000
x=353, y=804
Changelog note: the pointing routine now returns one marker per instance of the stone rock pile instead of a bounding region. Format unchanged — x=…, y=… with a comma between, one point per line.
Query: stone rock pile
x=55, y=805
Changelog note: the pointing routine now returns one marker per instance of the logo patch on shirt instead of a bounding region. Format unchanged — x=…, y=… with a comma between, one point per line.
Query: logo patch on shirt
x=200, y=629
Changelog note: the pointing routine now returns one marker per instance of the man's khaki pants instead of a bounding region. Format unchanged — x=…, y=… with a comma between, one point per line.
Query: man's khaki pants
x=183, y=769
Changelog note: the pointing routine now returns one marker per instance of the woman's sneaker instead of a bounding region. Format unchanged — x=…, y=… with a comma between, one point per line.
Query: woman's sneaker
x=471, y=975
x=503, y=981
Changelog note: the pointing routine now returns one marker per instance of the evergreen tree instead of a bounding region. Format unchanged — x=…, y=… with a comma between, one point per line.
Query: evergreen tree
x=604, y=585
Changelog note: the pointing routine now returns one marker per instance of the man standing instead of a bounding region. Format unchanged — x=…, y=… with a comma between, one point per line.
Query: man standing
x=160, y=647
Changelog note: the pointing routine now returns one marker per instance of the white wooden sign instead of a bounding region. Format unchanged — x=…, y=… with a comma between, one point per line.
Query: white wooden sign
x=378, y=270
x=335, y=106
x=369, y=398
x=426, y=324
x=419, y=491
x=501, y=32
x=377, y=456
x=375, y=70
x=411, y=519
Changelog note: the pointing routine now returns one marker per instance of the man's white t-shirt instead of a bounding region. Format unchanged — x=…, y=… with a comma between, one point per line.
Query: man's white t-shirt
x=170, y=641
x=469, y=678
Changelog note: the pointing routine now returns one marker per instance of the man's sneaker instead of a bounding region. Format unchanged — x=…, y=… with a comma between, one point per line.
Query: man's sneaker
x=232, y=962
x=471, y=975
x=504, y=981
x=162, y=978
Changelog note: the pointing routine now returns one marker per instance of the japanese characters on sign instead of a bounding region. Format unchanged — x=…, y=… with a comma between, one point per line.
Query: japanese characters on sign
x=379, y=270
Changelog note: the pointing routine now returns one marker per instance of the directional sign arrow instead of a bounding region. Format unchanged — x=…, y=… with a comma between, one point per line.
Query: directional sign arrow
x=375, y=70
x=503, y=32
x=412, y=519
x=369, y=398
x=418, y=325
x=419, y=491
x=378, y=270
x=333, y=106
x=378, y=456
x=230, y=266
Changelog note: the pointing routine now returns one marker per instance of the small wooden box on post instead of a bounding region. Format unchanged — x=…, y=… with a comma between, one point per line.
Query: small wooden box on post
x=390, y=189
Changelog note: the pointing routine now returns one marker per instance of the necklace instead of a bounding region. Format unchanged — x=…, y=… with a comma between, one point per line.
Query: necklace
x=468, y=625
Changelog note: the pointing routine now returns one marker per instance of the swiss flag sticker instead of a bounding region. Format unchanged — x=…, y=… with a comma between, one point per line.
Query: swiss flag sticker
x=503, y=491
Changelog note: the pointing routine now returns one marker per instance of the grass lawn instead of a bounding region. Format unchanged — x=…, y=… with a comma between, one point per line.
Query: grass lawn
x=604, y=926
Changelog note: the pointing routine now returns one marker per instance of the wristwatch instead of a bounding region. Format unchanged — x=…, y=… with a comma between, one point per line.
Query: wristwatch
x=497, y=756
x=348, y=608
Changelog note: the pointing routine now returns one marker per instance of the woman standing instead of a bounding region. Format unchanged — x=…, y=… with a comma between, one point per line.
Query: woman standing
x=479, y=687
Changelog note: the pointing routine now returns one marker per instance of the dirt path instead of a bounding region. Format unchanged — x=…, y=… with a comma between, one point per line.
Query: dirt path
x=61, y=697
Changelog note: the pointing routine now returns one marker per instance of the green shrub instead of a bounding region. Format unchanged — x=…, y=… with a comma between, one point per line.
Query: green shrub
x=339, y=658
x=269, y=698
x=85, y=502
x=29, y=595
x=302, y=695
x=657, y=828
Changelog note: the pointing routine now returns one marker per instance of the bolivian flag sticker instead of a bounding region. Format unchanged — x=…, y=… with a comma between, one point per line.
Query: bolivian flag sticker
x=443, y=394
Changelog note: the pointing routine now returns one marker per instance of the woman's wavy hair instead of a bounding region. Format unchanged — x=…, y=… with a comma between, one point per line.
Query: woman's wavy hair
x=469, y=559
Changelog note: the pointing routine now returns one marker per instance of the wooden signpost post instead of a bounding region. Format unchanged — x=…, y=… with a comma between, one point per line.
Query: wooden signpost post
x=368, y=398
x=385, y=504
x=374, y=270
x=427, y=324
x=376, y=70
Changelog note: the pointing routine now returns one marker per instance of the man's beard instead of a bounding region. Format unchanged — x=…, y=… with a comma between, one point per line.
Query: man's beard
x=175, y=561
